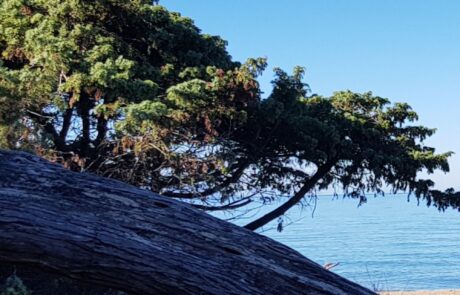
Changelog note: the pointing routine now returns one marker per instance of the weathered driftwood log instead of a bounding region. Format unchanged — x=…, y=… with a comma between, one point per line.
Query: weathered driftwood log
x=107, y=233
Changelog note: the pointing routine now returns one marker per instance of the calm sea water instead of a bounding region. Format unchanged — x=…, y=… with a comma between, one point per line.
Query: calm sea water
x=386, y=244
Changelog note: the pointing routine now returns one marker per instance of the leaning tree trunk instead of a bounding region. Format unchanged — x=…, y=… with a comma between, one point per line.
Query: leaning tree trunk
x=108, y=233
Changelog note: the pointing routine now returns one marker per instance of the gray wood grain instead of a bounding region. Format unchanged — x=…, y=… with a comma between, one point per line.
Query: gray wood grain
x=108, y=233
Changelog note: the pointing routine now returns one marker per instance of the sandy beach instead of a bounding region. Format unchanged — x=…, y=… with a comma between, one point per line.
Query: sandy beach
x=423, y=292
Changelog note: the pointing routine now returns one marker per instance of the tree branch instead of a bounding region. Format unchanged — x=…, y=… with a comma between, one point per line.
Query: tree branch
x=46, y=123
x=235, y=176
x=101, y=130
x=86, y=125
x=233, y=205
x=66, y=124
x=308, y=185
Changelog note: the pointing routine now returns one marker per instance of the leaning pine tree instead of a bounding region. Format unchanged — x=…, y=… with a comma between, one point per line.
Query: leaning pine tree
x=132, y=91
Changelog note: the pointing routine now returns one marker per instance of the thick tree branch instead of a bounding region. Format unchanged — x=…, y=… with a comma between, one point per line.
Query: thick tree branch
x=101, y=130
x=307, y=186
x=229, y=180
x=231, y=206
x=47, y=124
x=84, y=105
x=67, y=120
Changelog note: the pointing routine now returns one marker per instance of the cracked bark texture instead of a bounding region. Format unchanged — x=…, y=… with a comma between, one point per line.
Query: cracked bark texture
x=107, y=233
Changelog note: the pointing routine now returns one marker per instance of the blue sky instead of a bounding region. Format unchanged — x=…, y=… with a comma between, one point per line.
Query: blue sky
x=403, y=50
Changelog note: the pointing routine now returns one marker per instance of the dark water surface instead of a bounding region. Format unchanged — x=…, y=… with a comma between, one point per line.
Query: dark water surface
x=386, y=244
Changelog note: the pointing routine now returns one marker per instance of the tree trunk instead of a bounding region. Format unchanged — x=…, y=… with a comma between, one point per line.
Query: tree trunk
x=108, y=233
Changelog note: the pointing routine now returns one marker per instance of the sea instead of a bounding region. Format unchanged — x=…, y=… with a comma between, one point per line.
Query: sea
x=385, y=244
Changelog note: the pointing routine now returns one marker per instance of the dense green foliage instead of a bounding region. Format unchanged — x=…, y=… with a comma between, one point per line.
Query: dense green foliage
x=92, y=78
x=132, y=91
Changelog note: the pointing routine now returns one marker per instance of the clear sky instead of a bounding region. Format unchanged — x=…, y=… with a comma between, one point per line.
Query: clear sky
x=405, y=50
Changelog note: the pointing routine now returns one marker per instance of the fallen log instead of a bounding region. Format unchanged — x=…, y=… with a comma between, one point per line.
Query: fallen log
x=107, y=233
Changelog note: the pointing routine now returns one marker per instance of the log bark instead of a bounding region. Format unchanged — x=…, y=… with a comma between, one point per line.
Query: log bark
x=107, y=233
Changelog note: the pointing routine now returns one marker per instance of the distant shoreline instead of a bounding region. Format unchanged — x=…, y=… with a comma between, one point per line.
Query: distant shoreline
x=423, y=292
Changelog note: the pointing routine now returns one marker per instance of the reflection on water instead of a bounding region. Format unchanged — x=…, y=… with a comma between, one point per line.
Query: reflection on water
x=388, y=243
